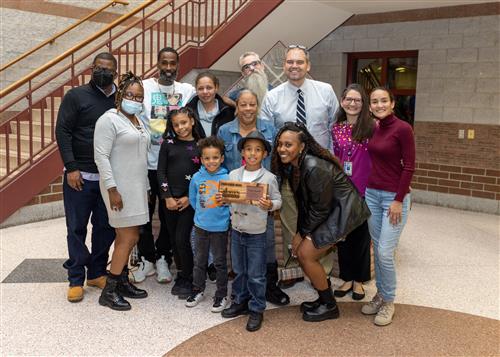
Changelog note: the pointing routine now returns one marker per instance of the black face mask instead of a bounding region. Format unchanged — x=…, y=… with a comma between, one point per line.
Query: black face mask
x=102, y=77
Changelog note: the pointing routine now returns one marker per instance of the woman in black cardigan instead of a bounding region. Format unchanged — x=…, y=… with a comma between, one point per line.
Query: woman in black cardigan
x=329, y=208
x=209, y=107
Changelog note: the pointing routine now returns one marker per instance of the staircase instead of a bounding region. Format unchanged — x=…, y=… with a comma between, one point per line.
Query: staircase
x=202, y=31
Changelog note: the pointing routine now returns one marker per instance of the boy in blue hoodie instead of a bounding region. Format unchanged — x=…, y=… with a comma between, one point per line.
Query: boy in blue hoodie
x=211, y=222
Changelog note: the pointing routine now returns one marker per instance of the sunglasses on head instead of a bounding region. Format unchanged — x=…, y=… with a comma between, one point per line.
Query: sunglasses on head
x=303, y=48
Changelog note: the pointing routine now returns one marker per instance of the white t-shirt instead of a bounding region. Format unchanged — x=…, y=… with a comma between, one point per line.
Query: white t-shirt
x=249, y=176
x=158, y=101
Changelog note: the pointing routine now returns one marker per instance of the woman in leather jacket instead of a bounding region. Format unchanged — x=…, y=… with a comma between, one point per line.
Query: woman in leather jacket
x=329, y=208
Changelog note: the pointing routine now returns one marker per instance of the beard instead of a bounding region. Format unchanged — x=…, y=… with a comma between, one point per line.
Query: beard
x=257, y=83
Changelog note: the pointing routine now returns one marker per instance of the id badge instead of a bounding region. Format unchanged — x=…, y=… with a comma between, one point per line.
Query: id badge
x=348, y=168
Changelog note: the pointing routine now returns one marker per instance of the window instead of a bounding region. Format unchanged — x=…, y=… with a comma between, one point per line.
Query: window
x=396, y=70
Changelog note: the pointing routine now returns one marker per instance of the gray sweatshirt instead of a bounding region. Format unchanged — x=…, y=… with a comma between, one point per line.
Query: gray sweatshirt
x=249, y=218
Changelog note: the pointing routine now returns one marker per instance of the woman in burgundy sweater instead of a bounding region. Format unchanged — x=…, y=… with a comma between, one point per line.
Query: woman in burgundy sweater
x=392, y=152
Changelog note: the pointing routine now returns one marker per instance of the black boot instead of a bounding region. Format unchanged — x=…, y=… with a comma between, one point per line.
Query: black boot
x=236, y=310
x=327, y=308
x=273, y=293
x=110, y=295
x=254, y=322
x=127, y=289
x=310, y=305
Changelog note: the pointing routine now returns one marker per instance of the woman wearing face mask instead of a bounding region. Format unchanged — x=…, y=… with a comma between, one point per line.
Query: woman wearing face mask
x=120, y=150
x=392, y=151
x=208, y=105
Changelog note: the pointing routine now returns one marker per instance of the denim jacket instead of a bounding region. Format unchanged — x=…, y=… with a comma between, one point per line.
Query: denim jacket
x=230, y=133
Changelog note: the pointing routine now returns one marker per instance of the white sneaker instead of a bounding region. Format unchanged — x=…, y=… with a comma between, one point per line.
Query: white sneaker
x=219, y=304
x=163, y=273
x=145, y=269
x=194, y=298
x=373, y=306
x=385, y=314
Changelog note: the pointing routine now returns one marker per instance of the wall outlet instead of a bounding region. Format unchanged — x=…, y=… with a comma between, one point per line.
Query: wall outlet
x=461, y=133
x=470, y=134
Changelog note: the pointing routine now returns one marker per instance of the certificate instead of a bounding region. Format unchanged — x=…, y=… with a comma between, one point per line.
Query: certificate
x=242, y=192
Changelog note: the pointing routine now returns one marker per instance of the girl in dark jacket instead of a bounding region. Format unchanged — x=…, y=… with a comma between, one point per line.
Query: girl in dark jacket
x=329, y=208
x=210, y=110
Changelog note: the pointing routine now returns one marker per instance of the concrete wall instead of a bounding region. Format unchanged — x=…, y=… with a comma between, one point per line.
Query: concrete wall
x=458, y=88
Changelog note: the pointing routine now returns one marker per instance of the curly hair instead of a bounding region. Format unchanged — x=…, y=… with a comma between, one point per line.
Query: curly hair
x=311, y=147
x=211, y=141
x=126, y=80
x=363, y=129
x=170, y=132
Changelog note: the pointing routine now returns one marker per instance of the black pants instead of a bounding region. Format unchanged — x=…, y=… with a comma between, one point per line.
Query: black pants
x=179, y=225
x=147, y=246
x=354, y=255
x=217, y=243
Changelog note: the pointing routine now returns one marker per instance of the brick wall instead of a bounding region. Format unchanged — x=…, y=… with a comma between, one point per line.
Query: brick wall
x=458, y=88
x=51, y=193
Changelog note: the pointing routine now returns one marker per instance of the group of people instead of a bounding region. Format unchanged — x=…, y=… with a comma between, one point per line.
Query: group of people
x=339, y=175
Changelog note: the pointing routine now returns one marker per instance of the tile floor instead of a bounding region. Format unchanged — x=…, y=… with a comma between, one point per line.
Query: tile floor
x=447, y=259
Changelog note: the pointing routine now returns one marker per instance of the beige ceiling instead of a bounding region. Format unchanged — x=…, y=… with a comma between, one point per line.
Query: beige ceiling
x=376, y=6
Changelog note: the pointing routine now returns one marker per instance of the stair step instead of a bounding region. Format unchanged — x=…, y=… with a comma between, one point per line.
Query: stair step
x=12, y=159
x=24, y=142
x=24, y=127
x=57, y=102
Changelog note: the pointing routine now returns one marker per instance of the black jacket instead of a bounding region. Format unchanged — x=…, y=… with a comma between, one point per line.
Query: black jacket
x=329, y=205
x=226, y=114
x=78, y=113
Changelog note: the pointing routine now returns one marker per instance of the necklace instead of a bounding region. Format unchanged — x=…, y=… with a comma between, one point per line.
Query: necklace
x=164, y=93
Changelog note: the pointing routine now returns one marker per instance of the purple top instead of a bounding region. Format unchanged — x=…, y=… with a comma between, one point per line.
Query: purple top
x=347, y=149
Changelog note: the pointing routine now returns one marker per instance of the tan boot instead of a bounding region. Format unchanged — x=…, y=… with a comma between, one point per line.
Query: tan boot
x=99, y=282
x=75, y=293
x=384, y=314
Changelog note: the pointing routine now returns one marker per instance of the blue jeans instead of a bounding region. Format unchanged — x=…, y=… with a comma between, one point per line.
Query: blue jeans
x=248, y=254
x=78, y=207
x=385, y=237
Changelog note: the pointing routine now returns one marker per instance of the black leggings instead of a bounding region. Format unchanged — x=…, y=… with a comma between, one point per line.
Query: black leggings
x=179, y=225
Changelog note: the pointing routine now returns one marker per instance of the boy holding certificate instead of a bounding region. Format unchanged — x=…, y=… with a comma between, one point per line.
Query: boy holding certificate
x=248, y=233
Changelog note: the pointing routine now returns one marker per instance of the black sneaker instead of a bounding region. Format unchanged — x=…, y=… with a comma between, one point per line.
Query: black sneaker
x=185, y=290
x=220, y=304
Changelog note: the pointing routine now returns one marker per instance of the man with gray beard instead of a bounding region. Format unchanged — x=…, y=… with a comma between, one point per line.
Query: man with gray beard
x=254, y=77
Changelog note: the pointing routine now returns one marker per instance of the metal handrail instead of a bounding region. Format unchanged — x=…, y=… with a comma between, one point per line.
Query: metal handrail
x=66, y=30
x=72, y=50
x=137, y=52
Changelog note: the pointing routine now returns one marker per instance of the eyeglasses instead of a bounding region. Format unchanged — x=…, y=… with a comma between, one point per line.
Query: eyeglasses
x=250, y=65
x=303, y=48
x=131, y=96
x=350, y=100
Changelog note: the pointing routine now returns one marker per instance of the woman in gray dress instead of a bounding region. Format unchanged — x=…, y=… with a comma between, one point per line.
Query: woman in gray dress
x=120, y=150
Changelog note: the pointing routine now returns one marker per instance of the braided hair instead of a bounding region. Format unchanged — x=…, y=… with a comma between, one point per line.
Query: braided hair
x=126, y=80
x=311, y=147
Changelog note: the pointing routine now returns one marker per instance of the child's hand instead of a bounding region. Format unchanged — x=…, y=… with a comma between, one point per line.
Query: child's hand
x=265, y=203
x=182, y=203
x=171, y=204
x=219, y=199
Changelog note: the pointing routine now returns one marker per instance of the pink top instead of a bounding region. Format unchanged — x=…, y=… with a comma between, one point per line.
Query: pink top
x=349, y=150
x=392, y=151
